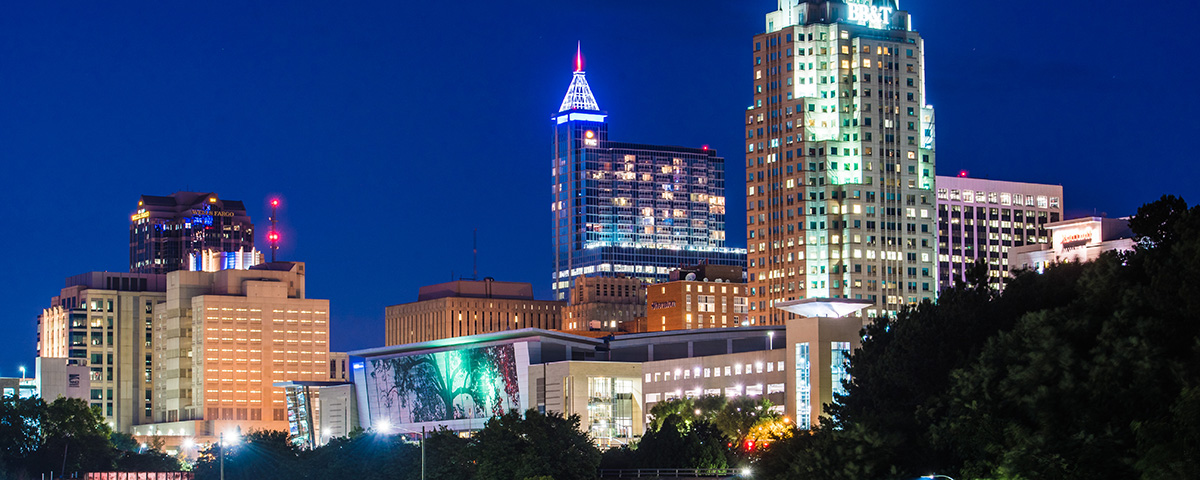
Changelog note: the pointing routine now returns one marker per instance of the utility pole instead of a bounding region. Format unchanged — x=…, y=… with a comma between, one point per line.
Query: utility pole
x=221, y=447
x=422, y=453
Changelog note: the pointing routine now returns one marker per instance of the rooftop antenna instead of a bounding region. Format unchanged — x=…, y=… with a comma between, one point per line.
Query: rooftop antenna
x=273, y=234
x=475, y=254
x=578, y=56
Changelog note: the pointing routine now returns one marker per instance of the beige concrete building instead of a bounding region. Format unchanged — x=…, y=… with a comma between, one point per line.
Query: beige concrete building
x=982, y=219
x=223, y=338
x=468, y=307
x=607, y=396
x=103, y=320
x=610, y=304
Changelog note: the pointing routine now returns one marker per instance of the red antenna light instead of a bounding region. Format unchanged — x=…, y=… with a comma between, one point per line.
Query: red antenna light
x=962, y=173
x=578, y=58
x=273, y=233
x=706, y=147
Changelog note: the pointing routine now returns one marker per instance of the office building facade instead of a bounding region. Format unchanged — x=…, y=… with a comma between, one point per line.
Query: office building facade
x=625, y=208
x=611, y=383
x=222, y=339
x=103, y=321
x=839, y=159
x=468, y=307
x=606, y=304
x=982, y=219
x=182, y=230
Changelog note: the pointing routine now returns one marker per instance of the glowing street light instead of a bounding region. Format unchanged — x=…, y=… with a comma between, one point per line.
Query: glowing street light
x=933, y=476
x=771, y=340
x=22, y=369
x=746, y=472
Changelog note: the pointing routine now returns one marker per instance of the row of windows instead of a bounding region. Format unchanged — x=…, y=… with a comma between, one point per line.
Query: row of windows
x=729, y=370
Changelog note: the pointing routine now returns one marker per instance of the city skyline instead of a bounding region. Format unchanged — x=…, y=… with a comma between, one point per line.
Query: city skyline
x=304, y=104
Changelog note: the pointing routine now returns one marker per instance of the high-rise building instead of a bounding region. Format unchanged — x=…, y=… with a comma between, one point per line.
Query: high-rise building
x=625, y=208
x=982, y=219
x=222, y=339
x=103, y=320
x=468, y=307
x=839, y=159
x=167, y=233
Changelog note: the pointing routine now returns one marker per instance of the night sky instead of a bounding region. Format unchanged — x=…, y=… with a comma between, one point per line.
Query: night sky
x=392, y=130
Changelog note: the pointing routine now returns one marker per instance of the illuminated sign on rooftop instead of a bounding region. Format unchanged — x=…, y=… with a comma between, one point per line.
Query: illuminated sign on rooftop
x=863, y=13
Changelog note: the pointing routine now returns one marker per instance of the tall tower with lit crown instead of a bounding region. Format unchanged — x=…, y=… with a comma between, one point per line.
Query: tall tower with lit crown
x=839, y=159
x=625, y=208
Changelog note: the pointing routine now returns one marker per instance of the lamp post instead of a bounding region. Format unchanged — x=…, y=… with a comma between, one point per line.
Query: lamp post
x=221, y=445
x=22, y=368
x=771, y=340
x=383, y=426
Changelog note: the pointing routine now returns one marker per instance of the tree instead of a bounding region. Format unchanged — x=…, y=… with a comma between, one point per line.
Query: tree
x=741, y=414
x=513, y=446
x=367, y=457
x=76, y=439
x=447, y=456
x=704, y=408
x=680, y=444
x=258, y=455
x=1101, y=386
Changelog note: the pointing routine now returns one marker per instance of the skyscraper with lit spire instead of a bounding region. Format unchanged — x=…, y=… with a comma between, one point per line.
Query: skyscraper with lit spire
x=625, y=208
x=839, y=159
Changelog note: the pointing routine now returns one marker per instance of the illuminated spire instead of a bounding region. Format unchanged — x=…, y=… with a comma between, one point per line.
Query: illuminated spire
x=579, y=94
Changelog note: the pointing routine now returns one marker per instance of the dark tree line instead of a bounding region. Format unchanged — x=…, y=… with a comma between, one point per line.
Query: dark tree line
x=1086, y=371
x=67, y=435
x=510, y=446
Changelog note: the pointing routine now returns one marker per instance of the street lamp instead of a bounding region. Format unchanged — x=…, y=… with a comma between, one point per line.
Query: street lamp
x=384, y=427
x=771, y=340
x=221, y=446
x=933, y=476
x=22, y=368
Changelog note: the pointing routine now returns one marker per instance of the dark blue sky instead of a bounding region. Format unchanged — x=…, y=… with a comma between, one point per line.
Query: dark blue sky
x=393, y=129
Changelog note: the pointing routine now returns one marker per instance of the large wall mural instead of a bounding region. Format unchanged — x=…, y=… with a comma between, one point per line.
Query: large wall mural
x=453, y=385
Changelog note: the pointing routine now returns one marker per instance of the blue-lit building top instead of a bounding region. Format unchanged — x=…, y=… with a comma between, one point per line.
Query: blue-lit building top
x=165, y=233
x=626, y=208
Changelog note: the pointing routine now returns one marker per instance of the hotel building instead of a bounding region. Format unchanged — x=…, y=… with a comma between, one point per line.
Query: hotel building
x=839, y=159
x=625, y=208
x=468, y=307
x=183, y=230
x=982, y=219
x=103, y=321
x=1075, y=240
x=707, y=296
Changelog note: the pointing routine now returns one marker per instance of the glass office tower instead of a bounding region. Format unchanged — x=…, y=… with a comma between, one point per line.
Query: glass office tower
x=626, y=208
